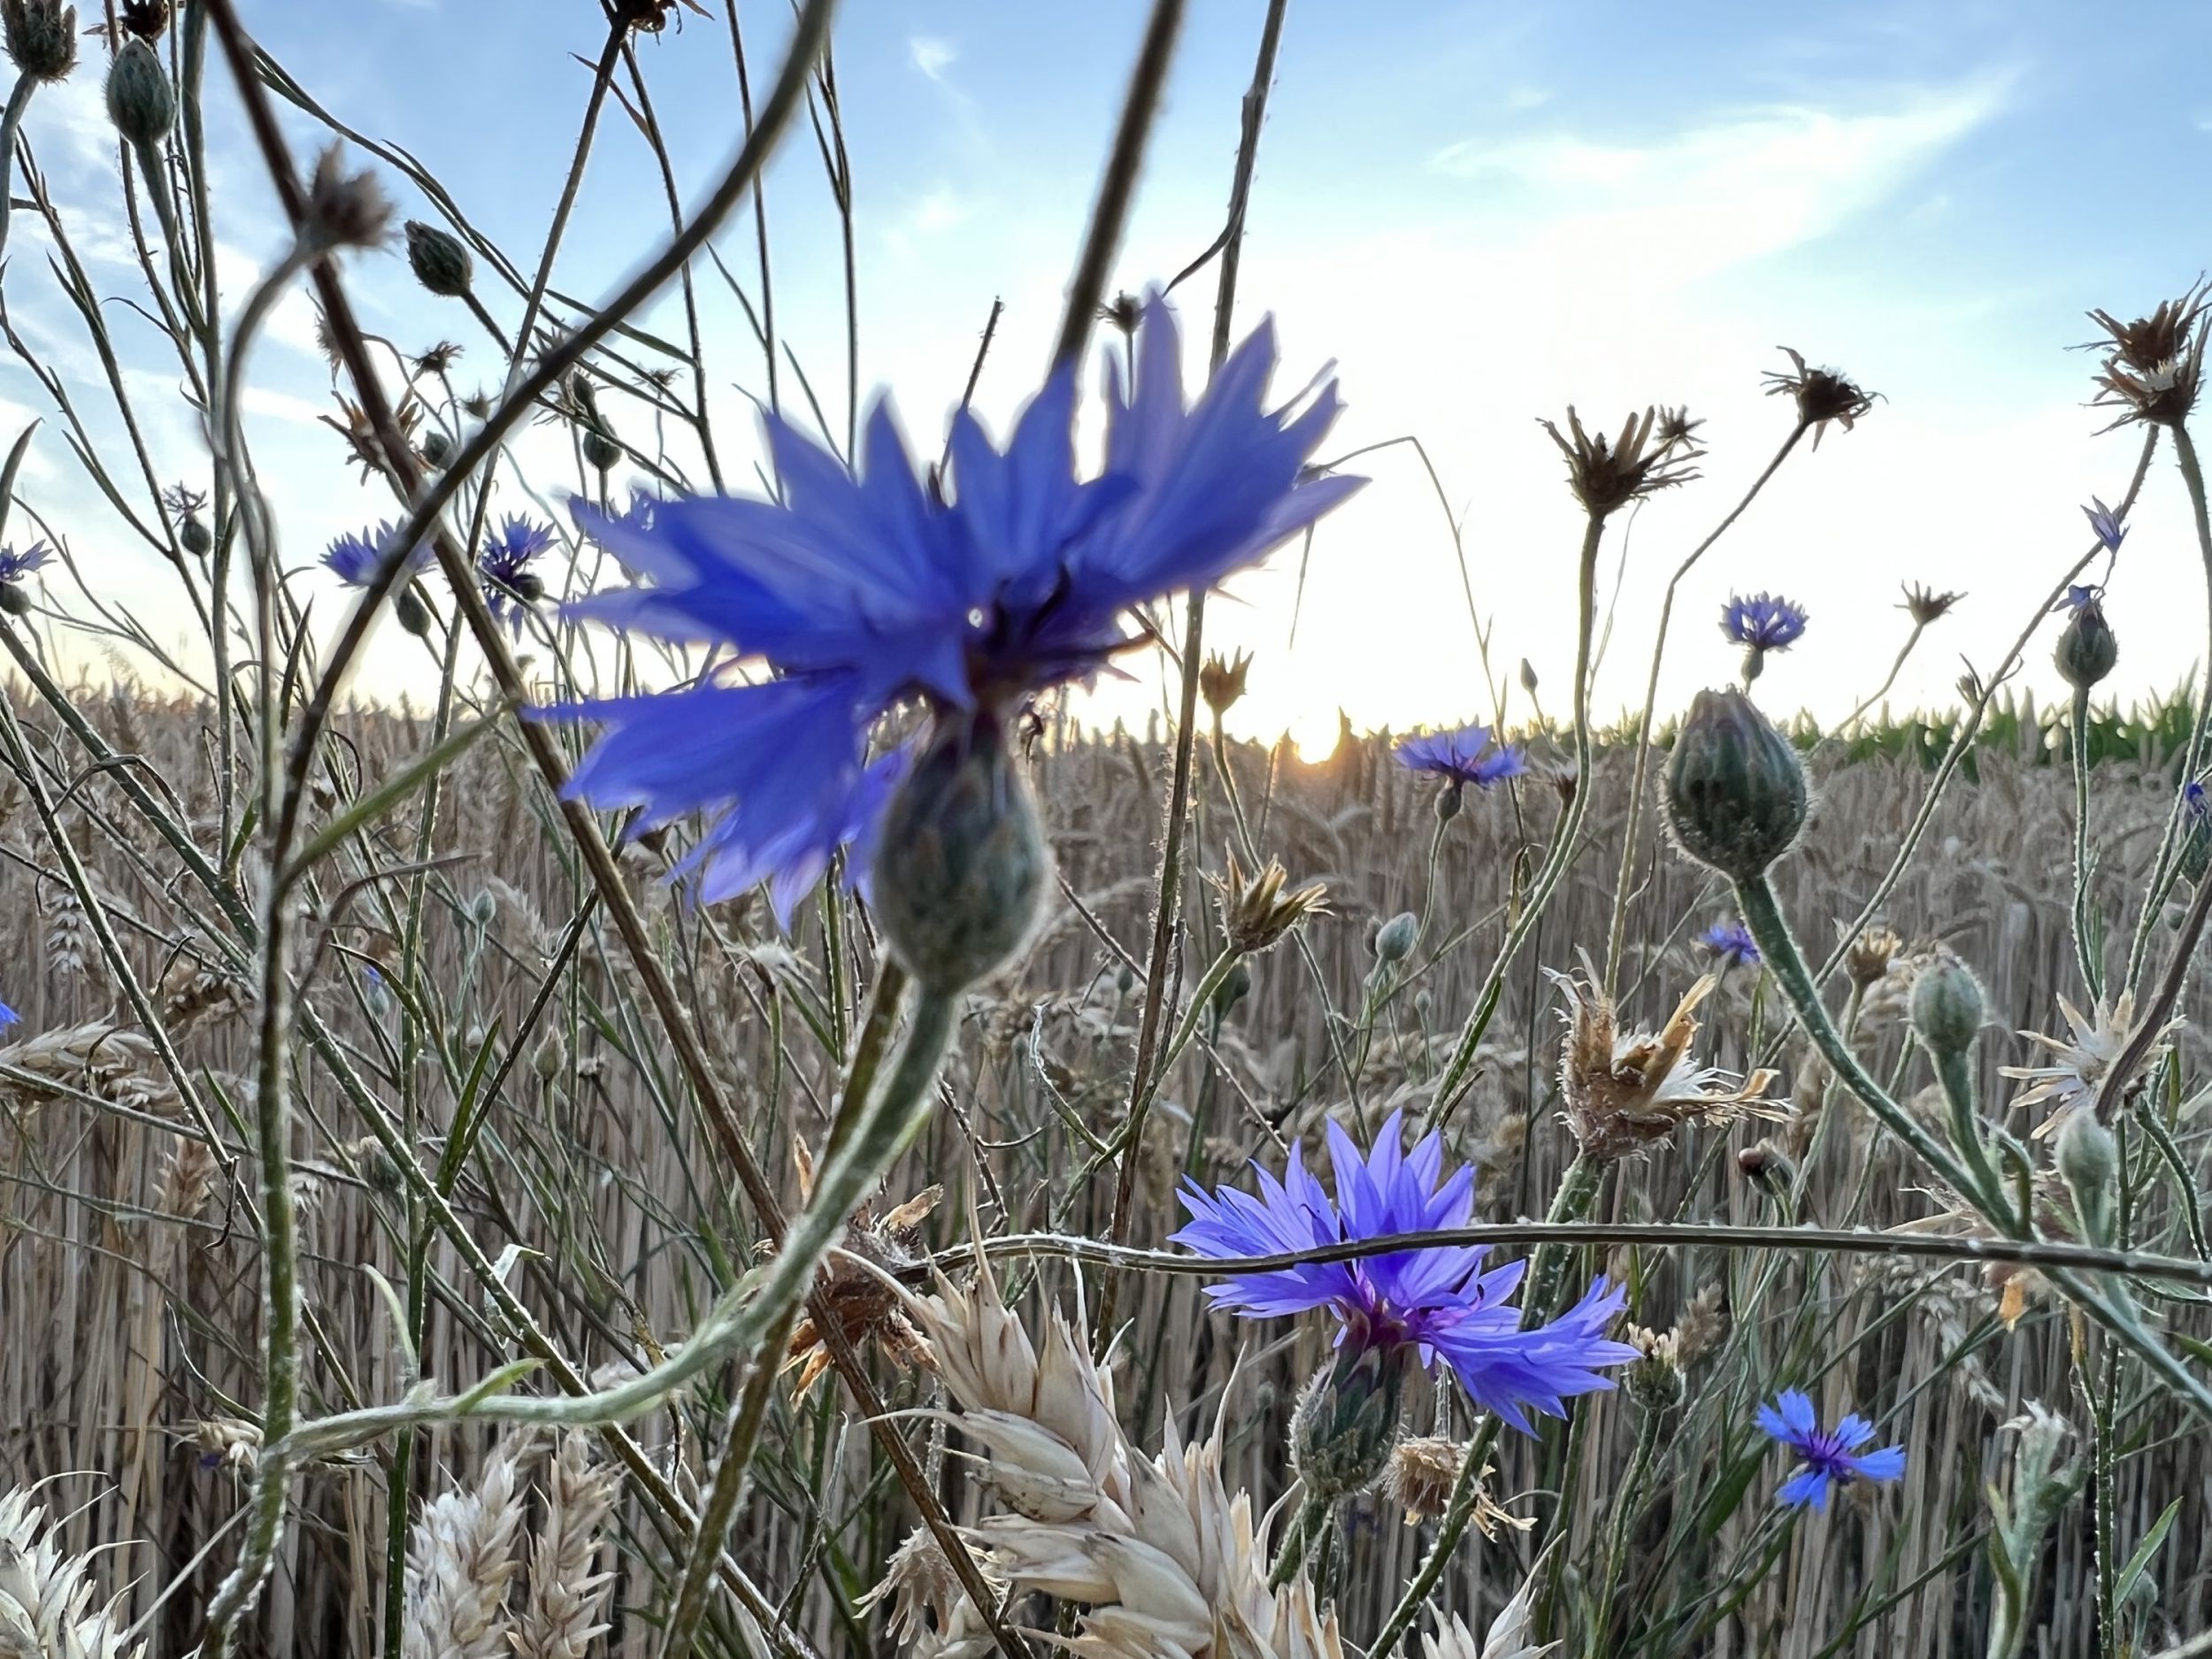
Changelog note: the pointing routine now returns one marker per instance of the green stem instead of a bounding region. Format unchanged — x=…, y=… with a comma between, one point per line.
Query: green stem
x=2086, y=954
x=10, y=123
x=1313, y=1514
x=1955, y=1073
x=1625, y=1508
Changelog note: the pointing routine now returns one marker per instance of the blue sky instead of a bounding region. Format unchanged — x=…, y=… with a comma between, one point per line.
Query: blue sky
x=1480, y=213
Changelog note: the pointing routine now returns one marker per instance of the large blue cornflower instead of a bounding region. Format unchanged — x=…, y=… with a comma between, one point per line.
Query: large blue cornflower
x=353, y=557
x=1436, y=1302
x=1462, y=756
x=1831, y=1457
x=15, y=566
x=859, y=590
x=510, y=584
x=1731, y=943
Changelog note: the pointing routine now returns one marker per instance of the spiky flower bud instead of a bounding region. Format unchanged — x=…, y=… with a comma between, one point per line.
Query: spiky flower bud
x=1221, y=681
x=2088, y=1160
x=198, y=538
x=1948, y=1006
x=1349, y=1417
x=1256, y=912
x=411, y=612
x=962, y=864
x=1528, y=677
x=1736, y=795
x=437, y=447
x=1395, y=939
x=440, y=260
x=41, y=36
x=601, y=450
x=14, y=600
x=140, y=101
x=2087, y=648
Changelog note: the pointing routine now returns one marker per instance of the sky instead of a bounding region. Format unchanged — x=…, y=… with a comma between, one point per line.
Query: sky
x=1478, y=213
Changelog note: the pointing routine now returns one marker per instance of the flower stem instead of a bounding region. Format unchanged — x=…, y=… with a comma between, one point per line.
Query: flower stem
x=2085, y=952
x=1625, y=1508
x=12, y=123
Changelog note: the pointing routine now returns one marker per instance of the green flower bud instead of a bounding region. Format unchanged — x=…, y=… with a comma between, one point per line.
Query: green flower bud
x=437, y=448
x=1350, y=1418
x=962, y=863
x=601, y=450
x=412, y=614
x=1449, y=801
x=440, y=260
x=2087, y=648
x=1948, y=1007
x=41, y=36
x=193, y=532
x=1236, y=985
x=140, y=101
x=2088, y=1160
x=1736, y=795
x=1395, y=939
x=13, y=600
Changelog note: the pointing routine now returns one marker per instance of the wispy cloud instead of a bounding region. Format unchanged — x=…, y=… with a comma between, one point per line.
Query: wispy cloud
x=932, y=55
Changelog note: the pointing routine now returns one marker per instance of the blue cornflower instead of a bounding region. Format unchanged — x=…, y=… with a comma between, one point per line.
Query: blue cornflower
x=1462, y=756
x=353, y=557
x=15, y=566
x=1731, y=943
x=861, y=589
x=1831, y=1456
x=2110, y=532
x=9, y=1016
x=1764, y=622
x=1435, y=1302
x=504, y=564
x=2079, y=596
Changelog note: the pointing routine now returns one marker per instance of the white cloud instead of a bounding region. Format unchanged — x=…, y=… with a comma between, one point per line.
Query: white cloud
x=932, y=55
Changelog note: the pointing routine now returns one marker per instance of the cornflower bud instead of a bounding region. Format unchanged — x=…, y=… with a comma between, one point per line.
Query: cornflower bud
x=2087, y=648
x=1948, y=1007
x=41, y=36
x=1349, y=1419
x=140, y=101
x=1736, y=796
x=1395, y=939
x=1221, y=681
x=2088, y=1160
x=440, y=260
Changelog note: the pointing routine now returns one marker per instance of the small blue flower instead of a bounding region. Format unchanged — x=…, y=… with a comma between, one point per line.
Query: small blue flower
x=15, y=566
x=1831, y=1457
x=1764, y=622
x=2078, y=597
x=863, y=589
x=9, y=1016
x=353, y=557
x=2106, y=523
x=510, y=584
x=1435, y=1302
x=1462, y=756
x=1731, y=943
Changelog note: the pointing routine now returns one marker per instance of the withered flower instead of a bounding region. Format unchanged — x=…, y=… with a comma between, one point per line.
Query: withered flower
x=344, y=210
x=360, y=434
x=1870, y=953
x=1607, y=474
x=864, y=1304
x=1925, y=605
x=1221, y=681
x=437, y=359
x=2078, y=1067
x=650, y=17
x=1822, y=395
x=1424, y=1470
x=1623, y=1093
x=1122, y=312
x=145, y=18
x=1676, y=429
x=1256, y=912
x=2154, y=365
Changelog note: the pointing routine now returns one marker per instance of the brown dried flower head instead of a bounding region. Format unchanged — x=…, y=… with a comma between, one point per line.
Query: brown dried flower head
x=1626, y=1092
x=1822, y=395
x=864, y=1304
x=1701, y=1326
x=344, y=210
x=2077, y=1067
x=1677, y=430
x=1424, y=1469
x=1221, y=681
x=650, y=17
x=1607, y=474
x=925, y=1601
x=1256, y=912
x=1872, y=953
x=437, y=359
x=145, y=18
x=41, y=37
x=1926, y=605
x=2153, y=366
x=360, y=434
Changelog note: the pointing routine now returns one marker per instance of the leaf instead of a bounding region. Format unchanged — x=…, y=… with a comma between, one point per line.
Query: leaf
x=2139, y=1562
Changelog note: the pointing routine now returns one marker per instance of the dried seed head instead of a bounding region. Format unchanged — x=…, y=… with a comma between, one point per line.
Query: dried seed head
x=650, y=17
x=925, y=1600
x=344, y=210
x=1606, y=475
x=2154, y=364
x=1655, y=1381
x=440, y=260
x=1421, y=1474
x=1625, y=1093
x=1822, y=395
x=1925, y=605
x=1221, y=681
x=1872, y=953
x=41, y=36
x=145, y=18
x=1256, y=912
x=437, y=359
x=854, y=1292
x=1703, y=1326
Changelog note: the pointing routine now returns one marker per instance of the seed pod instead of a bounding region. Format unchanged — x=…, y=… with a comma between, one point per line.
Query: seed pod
x=1948, y=1007
x=1395, y=939
x=411, y=613
x=1736, y=795
x=41, y=36
x=2087, y=648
